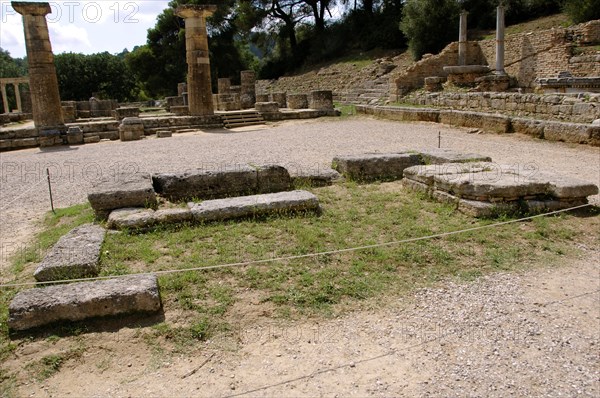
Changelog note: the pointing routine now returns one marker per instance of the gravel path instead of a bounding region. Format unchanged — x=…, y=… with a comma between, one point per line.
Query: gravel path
x=504, y=335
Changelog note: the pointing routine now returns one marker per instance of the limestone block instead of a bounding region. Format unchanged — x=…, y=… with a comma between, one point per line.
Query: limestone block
x=91, y=139
x=75, y=255
x=321, y=100
x=297, y=101
x=262, y=98
x=375, y=166
x=163, y=134
x=74, y=136
x=130, y=111
x=280, y=98
x=141, y=219
x=122, y=191
x=131, y=129
x=320, y=177
x=207, y=184
x=49, y=138
x=272, y=178
x=534, y=128
x=255, y=205
x=267, y=107
x=79, y=301
x=439, y=156
x=567, y=132
x=492, y=123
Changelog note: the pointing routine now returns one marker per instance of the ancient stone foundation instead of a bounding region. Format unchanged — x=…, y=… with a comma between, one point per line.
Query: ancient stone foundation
x=297, y=101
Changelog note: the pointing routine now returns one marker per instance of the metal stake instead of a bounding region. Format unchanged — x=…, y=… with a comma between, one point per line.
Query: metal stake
x=50, y=191
x=439, y=139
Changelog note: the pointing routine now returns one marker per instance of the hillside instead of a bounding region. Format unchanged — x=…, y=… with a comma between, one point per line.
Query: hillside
x=366, y=76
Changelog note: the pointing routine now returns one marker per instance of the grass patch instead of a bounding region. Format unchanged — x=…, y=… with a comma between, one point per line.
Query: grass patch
x=346, y=109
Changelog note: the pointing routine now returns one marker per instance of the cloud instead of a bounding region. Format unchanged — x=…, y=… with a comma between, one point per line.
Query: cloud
x=69, y=38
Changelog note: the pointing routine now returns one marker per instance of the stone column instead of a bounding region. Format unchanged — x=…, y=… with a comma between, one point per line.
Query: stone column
x=43, y=83
x=18, y=96
x=4, y=98
x=199, y=86
x=248, y=89
x=462, y=39
x=500, y=41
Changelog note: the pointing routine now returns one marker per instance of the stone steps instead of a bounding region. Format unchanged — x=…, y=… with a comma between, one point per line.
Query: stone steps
x=242, y=119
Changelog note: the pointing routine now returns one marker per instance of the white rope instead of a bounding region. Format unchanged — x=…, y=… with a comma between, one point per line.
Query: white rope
x=22, y=193
x=301, y=256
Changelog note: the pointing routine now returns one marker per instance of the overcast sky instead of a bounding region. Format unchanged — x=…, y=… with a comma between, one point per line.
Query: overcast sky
x=85, y=26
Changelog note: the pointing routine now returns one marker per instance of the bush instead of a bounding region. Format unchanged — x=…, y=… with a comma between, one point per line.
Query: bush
x=582, y=10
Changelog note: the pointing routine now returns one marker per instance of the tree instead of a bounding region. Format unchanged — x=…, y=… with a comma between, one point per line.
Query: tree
x=11, y=67
x=429, y=25
x=582, y=10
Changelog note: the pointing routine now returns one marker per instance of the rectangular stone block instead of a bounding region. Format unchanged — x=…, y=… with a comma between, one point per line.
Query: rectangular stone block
x=375, y=166
x=134, y=190
x=491, y=123
x=273, y=178
x=207, y=184
x=75, y=255
x=79, y=301
x=141, y=219
x=255, y=205
x=439, y=156
x=567, y=132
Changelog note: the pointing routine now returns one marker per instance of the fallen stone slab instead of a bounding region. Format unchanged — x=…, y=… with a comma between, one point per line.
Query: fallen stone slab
x=320, y=177
x=255, y=205
x=439, y=156
x=78, y=301
x=488, y=189
x=207, y=184
x=75, y=255
x=375, y=166
x=141, y=219
x=134, y=190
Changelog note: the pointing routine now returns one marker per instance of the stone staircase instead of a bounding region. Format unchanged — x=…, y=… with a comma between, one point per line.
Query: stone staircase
x=241, y=118
x=368, y=93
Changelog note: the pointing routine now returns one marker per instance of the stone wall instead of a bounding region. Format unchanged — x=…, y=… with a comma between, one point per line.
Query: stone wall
x=414, y=77
x=567, y=107
x=528, y=56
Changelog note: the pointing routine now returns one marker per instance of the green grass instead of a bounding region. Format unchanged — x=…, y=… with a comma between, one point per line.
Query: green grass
x=353, y=215
x=346, y=109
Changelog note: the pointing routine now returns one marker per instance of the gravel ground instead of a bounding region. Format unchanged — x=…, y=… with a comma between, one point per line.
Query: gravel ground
x=505, y=335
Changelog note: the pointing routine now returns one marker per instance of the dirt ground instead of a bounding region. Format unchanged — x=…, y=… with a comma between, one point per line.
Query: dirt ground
x=534, y=333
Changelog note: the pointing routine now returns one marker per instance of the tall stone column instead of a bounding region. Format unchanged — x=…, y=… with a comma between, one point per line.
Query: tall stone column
x=500, y=41
x=18, y=97
x=462, y=39
x=199, y=86
x=4, y=98
x=43, y=83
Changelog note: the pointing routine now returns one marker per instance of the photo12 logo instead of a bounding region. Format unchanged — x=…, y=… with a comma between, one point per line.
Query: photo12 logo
x=88, y=11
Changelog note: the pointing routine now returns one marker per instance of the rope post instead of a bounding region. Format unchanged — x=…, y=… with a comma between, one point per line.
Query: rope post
x=50, y=191
x=439, y=139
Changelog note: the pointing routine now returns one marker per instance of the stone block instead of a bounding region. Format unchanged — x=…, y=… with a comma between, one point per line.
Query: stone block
x=207, y=184
x=255, y=205
x=321, y=100
x=131, y=129
x=91, y=139
x=181, y=110
x=375, y=166
x=280, y=98
x=122, y=191
x=534, y=128
x=491, y=123
x=49, y=138
x=262, y=98
x=315, y=178
x=74, y=136
x=130, y=111
x=567, y=132
x=439, y=156
x=267, y=107
x=79, y=301
x=272, y=178
x=164, y=134
x=75, y=255
x=142, y=219
x=297, y=101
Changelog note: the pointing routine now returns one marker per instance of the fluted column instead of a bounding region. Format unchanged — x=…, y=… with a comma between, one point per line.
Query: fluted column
x=500, y=41
x=462, y=39
x=199, y=87
x=43, y=83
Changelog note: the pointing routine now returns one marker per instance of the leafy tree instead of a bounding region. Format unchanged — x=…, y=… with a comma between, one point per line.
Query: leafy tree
x=429, y=25
x=582, y=10
x=80, y=76
x=11, y=67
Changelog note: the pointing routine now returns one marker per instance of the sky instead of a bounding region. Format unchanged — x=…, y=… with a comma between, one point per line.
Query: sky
x=85, y=26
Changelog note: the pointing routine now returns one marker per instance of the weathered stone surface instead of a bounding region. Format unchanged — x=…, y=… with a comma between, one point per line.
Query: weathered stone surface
x=375, y=166
x=255, y=205
x=297, y=101
x=75, y=255
x=131, y=129
x=320, y=177
x=272, y=178
x=267, y=107
x=206, y=184
x=122, y=191
x=567, y=132
x=74, y=136
x=321, y=100
x=493, y=123
x=78, y=301
x=534, y=128
x=138, y=218
x=91, y=139
x=164, y=134
x=486, y=189
x=439, y=156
